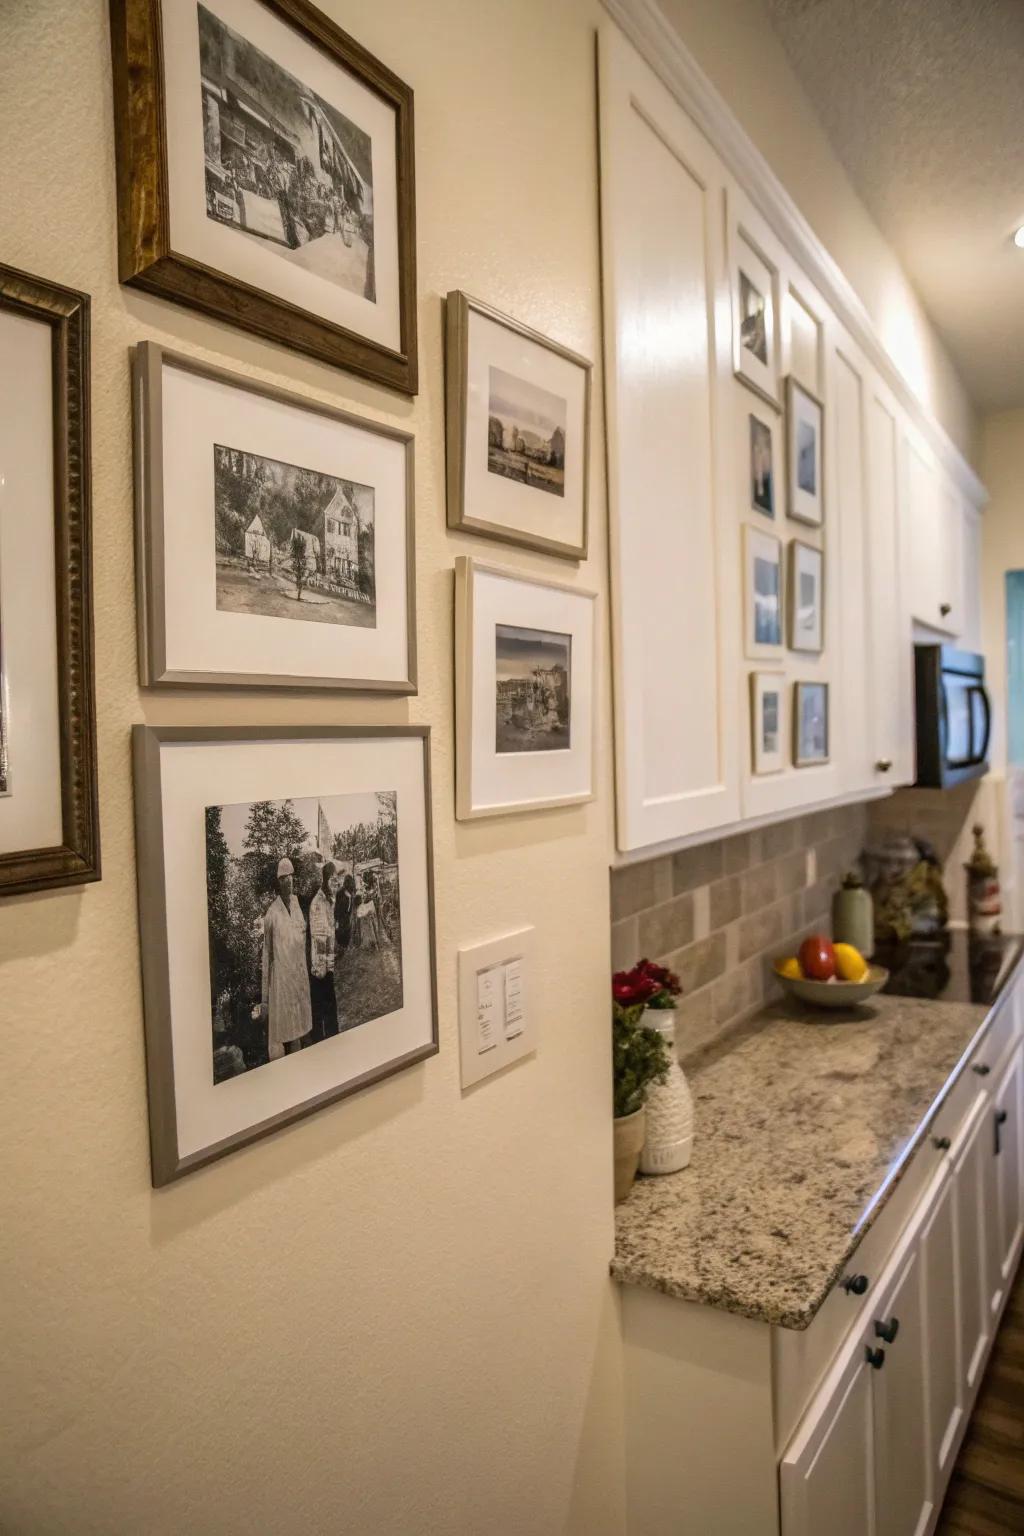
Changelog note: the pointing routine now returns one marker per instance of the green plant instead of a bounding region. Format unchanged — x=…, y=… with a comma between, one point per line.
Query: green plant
x=640, y=1057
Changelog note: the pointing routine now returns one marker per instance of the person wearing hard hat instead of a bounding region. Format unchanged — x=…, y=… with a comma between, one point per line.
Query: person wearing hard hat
x=284, y=997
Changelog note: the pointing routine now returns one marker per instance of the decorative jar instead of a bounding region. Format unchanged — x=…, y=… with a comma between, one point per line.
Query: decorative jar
x=669, y=1140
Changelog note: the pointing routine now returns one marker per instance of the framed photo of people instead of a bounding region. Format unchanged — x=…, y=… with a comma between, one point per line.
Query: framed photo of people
x=287, y=918
x=275, y=536
x=518, y=425
x=524, y=691
x=265, y=176
x=49, y=814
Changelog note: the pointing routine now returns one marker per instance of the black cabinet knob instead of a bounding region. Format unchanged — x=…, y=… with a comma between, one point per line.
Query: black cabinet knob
x=1001, y=1116
x=874, y=1357
x=855, y=1285
x=884, y=764
x=981, y=1068
x=941, y=1143
x=945, y=608
x=887, y=1331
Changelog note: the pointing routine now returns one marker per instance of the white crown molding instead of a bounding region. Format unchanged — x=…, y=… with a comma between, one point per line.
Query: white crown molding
x=654, y=37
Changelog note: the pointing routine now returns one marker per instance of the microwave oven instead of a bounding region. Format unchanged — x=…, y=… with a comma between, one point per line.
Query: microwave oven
x=954, y=716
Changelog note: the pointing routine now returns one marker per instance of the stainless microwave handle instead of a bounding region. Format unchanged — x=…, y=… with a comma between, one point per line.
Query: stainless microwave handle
x=979, y=754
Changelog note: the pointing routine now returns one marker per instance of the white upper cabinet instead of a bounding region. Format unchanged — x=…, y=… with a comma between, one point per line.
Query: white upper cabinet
x=889, y=680
x=934, y=542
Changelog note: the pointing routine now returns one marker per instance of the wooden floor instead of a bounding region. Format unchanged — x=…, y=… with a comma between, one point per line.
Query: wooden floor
x=986, y=1494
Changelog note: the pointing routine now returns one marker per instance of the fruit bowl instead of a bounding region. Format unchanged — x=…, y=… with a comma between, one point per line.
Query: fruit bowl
x=836, y=993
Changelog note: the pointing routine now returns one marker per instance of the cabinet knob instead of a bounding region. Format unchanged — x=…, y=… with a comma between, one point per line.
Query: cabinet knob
x=855, y=1285
x=874, y=1357
x=1001, y=1116
x=945, y=608
x=941, y=1143
x=884, y=764
x=887, y=1331
x=982, y=1068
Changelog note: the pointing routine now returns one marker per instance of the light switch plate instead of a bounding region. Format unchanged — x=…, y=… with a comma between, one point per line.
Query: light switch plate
x=497, y=1004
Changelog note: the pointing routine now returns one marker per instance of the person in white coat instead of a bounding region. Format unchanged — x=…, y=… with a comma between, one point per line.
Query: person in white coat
x=285, y=984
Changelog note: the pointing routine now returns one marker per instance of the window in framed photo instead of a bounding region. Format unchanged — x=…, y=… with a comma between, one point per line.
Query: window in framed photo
x=49, y=816
x=275, y=535
x=763, y=593
x=286, y=909
x=767, y=692
x=265, y=177
x=806, y=597
x=518, y=425
x=524, y=691
x=804, y=454
x=754, y=283
x=762, y=466
x=810, y=724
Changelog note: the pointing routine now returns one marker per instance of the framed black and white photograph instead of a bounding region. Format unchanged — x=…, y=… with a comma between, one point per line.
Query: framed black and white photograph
x=754, y=287
x=762, y=466
x=286, y=909
x=265, y=176
x=763, y=593
x=275, y=536
x=804, y=454
x=49, y=814
x=767, y=694
x=524, y=691
x=806, y=597
x=518, y=432
x=810, y=724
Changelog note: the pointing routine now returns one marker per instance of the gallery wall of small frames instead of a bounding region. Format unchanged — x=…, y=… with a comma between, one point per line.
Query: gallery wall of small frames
x=265, y=178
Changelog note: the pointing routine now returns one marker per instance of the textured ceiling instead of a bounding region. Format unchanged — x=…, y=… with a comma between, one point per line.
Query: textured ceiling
x=923, y=101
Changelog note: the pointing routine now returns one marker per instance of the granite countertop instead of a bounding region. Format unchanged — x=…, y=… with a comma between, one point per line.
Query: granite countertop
x=803, y=1129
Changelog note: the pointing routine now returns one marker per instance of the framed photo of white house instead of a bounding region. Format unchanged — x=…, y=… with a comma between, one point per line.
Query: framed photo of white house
x=518, y=431
x=275, y=536
x=763, y=629
x=49, y=814
x=754, y=289
x=767, y=694
x=265, y=166
x=805, y=421
x=287, y=922
x=810, y=724
x=524, y=691
x=806, y=597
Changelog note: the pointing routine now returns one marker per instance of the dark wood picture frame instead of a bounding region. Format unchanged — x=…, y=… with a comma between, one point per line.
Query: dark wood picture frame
x=76, y=859
x=167, y=1163
x=145, y=257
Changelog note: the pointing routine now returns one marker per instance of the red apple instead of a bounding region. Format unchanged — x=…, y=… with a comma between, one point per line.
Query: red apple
x=818, y=958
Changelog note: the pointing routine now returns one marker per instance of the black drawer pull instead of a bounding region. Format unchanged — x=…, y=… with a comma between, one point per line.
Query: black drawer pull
x=982, y=1068
x=945, y=609
x=887, y=1331
x=1001, y=1117
x=855, y=1285
x=874, y=1357
x=941, y=1143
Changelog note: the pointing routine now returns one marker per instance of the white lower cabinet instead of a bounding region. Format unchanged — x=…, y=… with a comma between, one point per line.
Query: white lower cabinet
x=897, y=1347
x=826, y=1481
x=971, y=1157
x=1003, y=1183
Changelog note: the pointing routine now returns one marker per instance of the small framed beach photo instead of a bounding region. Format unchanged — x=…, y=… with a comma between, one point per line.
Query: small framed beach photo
x=804, y=454
x=524, y=691
x=810, y=724
x=763, y=594
x=767, y=695
x=805, y=589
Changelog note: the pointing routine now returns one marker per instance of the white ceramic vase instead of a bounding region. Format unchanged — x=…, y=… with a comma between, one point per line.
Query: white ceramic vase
x=669, y=1140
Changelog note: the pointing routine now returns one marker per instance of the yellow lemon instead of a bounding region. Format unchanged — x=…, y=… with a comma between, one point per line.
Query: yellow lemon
x=790, y=967
x=850, y=963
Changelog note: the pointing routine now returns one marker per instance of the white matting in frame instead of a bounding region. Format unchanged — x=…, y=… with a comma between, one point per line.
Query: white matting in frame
x=524, y=691
x=180, y=773
x=213, y=613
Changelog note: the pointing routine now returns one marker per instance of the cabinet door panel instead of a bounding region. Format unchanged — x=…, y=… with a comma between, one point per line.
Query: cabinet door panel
x=1007, y=1139
x=851, y=731
x=902, y=1481
x=890, y=679
x=941, y=1355
x=827, y=1475
x=970, y=1169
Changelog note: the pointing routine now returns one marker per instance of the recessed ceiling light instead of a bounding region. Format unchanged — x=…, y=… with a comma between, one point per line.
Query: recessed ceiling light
x=1018, y=238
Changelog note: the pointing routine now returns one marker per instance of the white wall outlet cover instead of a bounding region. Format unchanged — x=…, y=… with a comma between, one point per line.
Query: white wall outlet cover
x=497, y=1004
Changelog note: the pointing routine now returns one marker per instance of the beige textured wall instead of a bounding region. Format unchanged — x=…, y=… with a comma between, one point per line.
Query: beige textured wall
x=740, y=52
x=395, y=1316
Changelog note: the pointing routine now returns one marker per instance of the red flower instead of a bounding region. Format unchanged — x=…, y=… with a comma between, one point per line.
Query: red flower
x=632, y=987
x=664, y=979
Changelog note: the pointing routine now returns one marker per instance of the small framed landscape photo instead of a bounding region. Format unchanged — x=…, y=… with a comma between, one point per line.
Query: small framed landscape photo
x=524, y=691
x=763, y=593
x=518, y=432
x=804, y=454
x=806, y=597
x=762, y=466
x=810, y=724
x=265, y=169
x=754, y=284
x=274, y=536
x=767, y=691
x=287, y=922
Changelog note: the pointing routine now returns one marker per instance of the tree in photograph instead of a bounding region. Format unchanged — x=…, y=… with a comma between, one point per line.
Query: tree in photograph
x=272, y=832
x=297, y=550
x=218, y=867
x=387, y=826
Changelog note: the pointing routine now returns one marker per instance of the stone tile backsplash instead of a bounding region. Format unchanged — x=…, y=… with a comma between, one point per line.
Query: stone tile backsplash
x=718, y=914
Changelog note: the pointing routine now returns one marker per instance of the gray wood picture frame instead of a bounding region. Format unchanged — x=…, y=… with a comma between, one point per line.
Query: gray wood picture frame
x=458, y=308
x=167, y=1164
x=75, y=860
x=147, y=385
